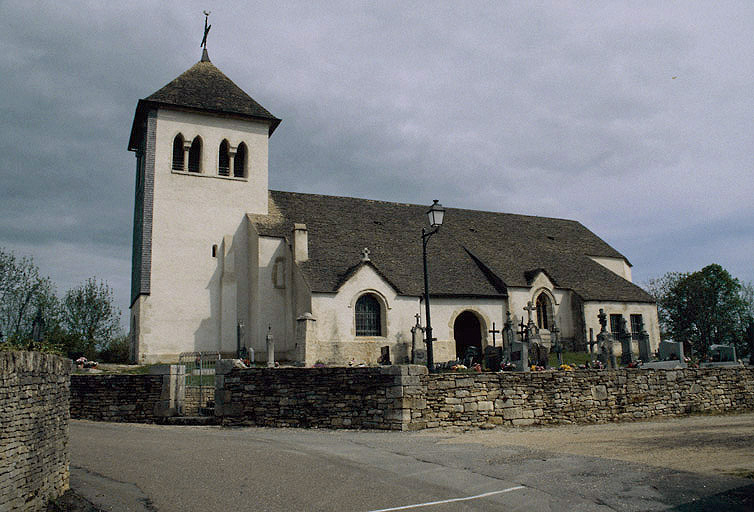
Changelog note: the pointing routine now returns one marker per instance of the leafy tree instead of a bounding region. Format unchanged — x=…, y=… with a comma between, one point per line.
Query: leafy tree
x=701, y=308
x=118, y=350
x=90, y=318
x=23, y=293
x=660, y=288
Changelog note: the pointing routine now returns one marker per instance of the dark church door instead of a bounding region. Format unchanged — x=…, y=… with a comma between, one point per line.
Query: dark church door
x=467, y=332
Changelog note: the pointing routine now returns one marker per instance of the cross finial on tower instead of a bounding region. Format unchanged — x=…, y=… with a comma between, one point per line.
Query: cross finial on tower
x=365, y=254
x=206, y=29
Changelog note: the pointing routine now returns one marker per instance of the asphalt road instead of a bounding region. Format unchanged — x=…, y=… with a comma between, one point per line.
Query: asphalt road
x=121, y=467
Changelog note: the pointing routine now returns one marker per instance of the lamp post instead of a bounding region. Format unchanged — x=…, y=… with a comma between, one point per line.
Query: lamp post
x=435, y=215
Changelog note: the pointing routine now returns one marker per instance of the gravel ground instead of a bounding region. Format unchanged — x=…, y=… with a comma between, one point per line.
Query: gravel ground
x=721, y=445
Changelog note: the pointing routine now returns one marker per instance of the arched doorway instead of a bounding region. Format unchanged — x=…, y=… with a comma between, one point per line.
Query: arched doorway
x=467, y=332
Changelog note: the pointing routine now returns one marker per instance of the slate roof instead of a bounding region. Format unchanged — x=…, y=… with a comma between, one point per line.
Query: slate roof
x=475, y=253
x=203, y=87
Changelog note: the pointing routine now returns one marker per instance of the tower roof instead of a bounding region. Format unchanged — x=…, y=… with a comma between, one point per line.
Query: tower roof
x=203, y=87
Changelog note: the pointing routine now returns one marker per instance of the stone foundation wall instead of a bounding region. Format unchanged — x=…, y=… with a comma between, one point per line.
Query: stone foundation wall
x=34, y=456
x=129, y=398
x=547, y=398
x=377, y=398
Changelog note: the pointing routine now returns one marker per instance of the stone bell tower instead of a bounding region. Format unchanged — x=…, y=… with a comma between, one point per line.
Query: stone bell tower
x=201, y=151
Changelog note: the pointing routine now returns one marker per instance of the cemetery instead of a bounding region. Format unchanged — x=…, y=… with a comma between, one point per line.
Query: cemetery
x=509, y=384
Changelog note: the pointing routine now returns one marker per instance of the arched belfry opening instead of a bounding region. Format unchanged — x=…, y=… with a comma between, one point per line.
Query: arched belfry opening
x=178, y=153
x=223, y=159
x=467, y=332
x=239, y=163
x=195, y=155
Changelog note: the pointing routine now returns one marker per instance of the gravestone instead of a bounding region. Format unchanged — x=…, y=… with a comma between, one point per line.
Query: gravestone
x=420, y=356
x=509, y=336
x=417, y=336
x=645, y=351
x=540, y=355
x=605, y=343
x=670, y=351
x=557, y=347
x=384, y=355
x=722, y=353
x=493, y=356
x=471, y=357
x=627, y=354
x=520, y=356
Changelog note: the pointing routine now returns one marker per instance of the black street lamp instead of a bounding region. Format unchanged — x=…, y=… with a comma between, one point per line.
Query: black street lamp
x=435, y=214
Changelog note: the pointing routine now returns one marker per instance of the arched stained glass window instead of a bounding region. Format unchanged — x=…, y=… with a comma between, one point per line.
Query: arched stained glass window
x=368, y=316
x=543, y=311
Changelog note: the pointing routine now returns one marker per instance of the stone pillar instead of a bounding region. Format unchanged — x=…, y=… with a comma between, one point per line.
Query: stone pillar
x=186, y=149
x=270, y=343
x=305, y=351
x=223, y=400
x=173, y=389
x=231, y=160
x=407, y=397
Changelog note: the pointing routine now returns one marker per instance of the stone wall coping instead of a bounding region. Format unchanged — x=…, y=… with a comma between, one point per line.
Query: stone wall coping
x=167, y=369
x=21, y=360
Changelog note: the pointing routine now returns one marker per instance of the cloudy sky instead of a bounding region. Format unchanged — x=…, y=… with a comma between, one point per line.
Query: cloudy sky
x=635, y=121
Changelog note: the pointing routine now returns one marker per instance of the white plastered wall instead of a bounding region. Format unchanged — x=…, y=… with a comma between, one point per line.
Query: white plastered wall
x=335, y=329
x=187, y=309
x=648, y=312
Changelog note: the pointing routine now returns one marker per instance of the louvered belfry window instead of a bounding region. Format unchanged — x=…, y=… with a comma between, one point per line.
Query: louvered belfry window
x=195, y=155
x=239, y=163
x=178, y=153
x=223, y=164
x=368, y=316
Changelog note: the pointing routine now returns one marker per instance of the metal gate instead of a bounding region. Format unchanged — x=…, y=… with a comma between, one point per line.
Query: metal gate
x=200, y=382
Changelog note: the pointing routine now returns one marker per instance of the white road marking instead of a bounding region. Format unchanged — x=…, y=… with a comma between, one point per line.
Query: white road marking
x=429, y=503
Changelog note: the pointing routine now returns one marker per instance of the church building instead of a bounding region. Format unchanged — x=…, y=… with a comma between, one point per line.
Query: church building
x=221, y=262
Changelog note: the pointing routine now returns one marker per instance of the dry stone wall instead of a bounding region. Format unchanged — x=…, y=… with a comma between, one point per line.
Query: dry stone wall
x=556, y=397
x=378, y=398
x=34, y=455
x=129, y=398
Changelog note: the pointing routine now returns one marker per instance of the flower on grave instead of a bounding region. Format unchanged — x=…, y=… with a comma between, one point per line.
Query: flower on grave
x=458, y=367
x=536, y=368
x=477, y=367
x=566, y=367
x=319, y=364
x=508, y=367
